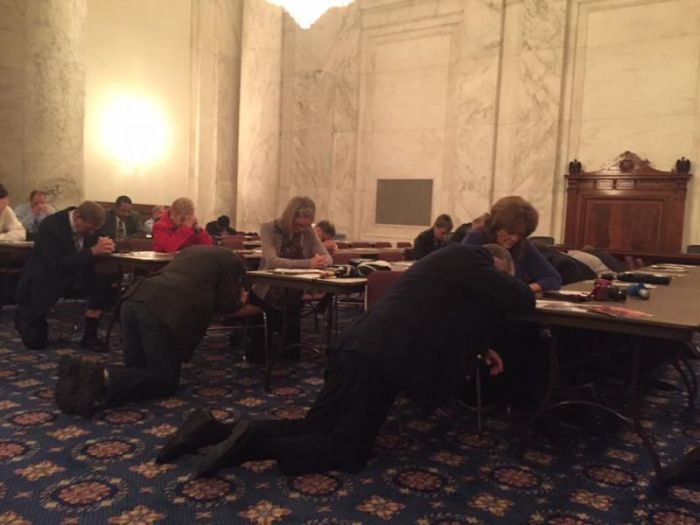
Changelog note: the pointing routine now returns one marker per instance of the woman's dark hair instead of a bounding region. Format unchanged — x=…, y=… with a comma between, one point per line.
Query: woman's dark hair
x=326, y=227
x=513, y=214
x=444, y=222
x=3, y=192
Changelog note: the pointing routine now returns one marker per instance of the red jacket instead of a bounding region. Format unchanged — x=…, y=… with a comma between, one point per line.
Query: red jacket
x=169, y=238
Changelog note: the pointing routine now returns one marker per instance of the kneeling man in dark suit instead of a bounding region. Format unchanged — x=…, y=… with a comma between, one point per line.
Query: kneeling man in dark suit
x=163, y=319
x=422, y=338
x=62, y=263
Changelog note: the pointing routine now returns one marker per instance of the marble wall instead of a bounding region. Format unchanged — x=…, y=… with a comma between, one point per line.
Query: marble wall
x=216, y=67
x=259, y=117
x=487, y=98
x=136, y=57
x=42, y=95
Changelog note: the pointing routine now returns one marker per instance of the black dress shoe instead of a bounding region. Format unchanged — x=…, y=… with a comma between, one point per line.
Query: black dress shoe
x=229, y=452
x=90, y=389
x=685, y=470
x=68, y=370
x=200, y=429
x=93, y=343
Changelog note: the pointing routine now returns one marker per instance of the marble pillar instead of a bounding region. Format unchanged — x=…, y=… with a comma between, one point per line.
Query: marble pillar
x=319, y=114
x=216, y=65
x=259, y=116
x=528, y=133
x=42, y=98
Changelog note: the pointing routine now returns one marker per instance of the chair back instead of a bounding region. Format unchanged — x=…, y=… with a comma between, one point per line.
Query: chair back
x=361, y=244
x=403, y=244
x=232, y=243
x=693, y=248
x=547, y=241
x=378, y=282
x=343, y=244
x=391, y=256
x=138, y=244
x=382, y=244
x=343, y=258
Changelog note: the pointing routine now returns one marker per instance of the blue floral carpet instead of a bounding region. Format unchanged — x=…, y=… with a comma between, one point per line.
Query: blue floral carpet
x=427, y=469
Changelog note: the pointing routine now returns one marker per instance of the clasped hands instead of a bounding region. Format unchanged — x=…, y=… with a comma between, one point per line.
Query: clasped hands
x=103, y=246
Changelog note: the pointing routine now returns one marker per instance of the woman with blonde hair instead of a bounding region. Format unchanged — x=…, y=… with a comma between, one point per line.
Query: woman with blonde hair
x=509, y=223
x=287, y=242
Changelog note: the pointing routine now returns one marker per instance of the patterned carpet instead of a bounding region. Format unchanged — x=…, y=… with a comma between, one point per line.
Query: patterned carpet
x=62, y=469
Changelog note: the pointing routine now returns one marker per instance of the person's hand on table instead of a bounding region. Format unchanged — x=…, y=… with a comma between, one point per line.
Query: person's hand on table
x=103, y=246
x=318, y=262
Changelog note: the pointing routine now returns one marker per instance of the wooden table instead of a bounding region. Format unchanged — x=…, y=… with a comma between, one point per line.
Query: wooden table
x=674, y=315
x=312, y=282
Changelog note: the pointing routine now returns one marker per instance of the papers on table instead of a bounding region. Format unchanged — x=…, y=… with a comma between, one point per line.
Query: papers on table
x=673, y=268
x=296, y=271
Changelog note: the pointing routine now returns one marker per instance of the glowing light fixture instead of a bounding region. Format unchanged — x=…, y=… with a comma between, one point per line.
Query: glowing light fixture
x=306, y=12
x=133, y=130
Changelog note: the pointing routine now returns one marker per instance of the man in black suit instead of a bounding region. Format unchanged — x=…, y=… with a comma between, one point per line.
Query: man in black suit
x=422, y=338
x=121, y=221
x=163, y=319
x=61, y=263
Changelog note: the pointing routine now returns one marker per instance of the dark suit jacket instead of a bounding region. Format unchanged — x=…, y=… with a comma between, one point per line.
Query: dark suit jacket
x=133, y=224
x=428, y=327
x=54, y=264
x=425, y=243
x=199, y=282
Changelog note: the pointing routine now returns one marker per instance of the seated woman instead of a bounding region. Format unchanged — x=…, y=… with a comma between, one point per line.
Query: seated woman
x=509, y=223
x=177, y=228
x=287, y=242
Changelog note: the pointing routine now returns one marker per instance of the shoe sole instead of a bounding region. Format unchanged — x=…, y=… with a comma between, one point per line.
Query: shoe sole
x=217, y=457
x=68, y=370
x=85, y=399
x=179, y=444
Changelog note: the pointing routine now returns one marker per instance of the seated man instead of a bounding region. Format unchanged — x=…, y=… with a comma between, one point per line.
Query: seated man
x=31, y=213
x=122, y=222
x=421, y=338
x=10, y=228
x=433, y=238
x=220, y=227
x=61, y=263
x=326, y=231
x=177, y=228
x=163, y=319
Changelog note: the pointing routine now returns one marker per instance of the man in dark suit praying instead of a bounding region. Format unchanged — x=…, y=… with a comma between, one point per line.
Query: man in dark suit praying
x=422, y=338
x=61, y=263
x=163, y=319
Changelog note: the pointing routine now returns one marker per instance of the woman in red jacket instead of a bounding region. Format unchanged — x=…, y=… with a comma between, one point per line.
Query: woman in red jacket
x=177, y=228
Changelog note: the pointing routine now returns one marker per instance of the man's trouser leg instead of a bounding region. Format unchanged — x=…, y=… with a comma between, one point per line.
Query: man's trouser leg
x=152, y=362
x=340, y=429
x=32, y=327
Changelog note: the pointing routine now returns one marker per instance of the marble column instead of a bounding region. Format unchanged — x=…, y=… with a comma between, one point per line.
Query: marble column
x=528, y=132
x=474, y=95
x=42, y=101
x=320, y=83
x=216, y=65
x=259, y=118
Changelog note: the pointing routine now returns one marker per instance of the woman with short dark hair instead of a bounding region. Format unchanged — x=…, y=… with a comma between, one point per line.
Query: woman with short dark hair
x=509, y=223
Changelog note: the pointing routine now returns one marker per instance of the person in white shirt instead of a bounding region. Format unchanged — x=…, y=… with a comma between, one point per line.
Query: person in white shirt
x=31, y=213
x=10, y=228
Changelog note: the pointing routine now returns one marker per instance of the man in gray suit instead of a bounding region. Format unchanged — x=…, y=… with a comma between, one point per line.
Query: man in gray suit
x=163, y=318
